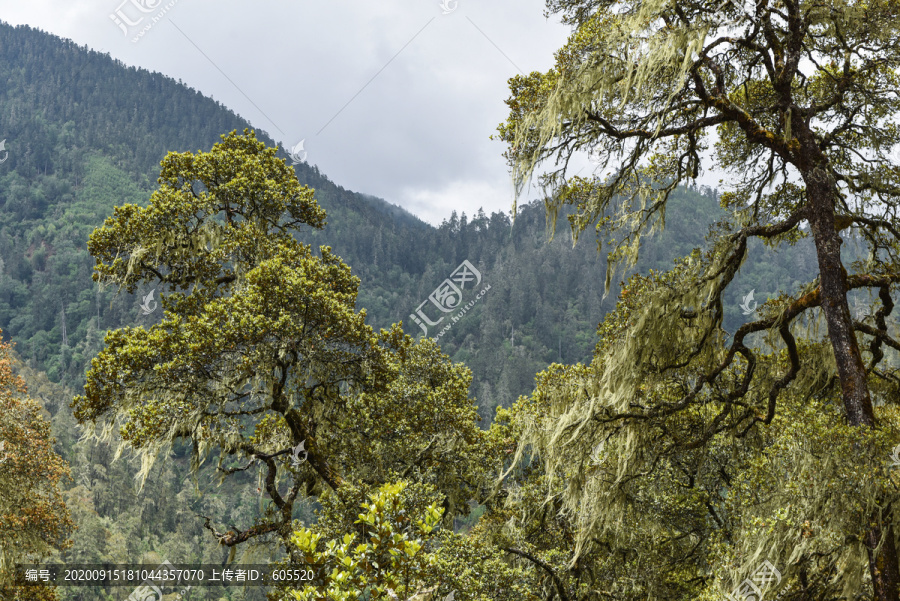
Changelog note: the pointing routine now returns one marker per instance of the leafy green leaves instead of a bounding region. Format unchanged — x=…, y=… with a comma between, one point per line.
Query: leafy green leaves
x=388, y=558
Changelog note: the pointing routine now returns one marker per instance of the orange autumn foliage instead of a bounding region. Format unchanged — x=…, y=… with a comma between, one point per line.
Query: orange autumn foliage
x=34, y=520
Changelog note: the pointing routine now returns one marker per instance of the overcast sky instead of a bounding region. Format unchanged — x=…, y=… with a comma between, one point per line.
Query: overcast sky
x=393, y=98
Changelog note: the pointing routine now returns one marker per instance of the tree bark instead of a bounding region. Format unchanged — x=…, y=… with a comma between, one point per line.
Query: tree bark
x=833, y=287
x=820, y=192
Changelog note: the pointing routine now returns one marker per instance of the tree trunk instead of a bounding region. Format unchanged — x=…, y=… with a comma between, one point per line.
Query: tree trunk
x=820, y=191
x=833, y=294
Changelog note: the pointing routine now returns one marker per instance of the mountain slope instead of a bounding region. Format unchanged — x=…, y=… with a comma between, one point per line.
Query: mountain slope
x=86, y=133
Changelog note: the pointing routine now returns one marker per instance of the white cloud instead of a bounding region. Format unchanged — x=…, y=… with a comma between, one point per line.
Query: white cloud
x=411, y=127
x=435, y=205
x=413, y=135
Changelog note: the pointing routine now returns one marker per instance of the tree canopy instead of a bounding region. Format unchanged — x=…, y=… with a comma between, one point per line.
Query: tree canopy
x=261, y=358
x=802, y=98
x=34, y=519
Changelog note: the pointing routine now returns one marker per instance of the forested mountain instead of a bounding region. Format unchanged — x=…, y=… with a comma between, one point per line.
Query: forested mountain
x=85, y=133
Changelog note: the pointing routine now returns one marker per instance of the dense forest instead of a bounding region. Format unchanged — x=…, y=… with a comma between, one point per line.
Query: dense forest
x=85, y=134
x=63, y=178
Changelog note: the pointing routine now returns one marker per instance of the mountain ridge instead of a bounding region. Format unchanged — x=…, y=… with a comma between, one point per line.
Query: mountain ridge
x=86, y=133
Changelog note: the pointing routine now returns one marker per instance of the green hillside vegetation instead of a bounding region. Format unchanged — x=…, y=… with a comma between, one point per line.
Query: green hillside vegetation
x=86, y=134
x=63, y=178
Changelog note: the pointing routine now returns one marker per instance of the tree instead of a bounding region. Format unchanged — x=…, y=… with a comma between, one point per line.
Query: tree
x=803, y=97
x=601, y=498
x=34, y=520
x=395, y=550
x=390, y=558
x=261, y=356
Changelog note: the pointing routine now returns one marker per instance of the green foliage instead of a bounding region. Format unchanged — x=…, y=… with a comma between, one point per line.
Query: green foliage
x=260, y=348
x=388, y=560
x=253, y=322
x=423, y=428
x=598, y=500
x=670, y=439
x=396, y=550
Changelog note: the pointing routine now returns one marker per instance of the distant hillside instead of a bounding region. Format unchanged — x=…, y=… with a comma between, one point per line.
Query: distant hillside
x=86, y=133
